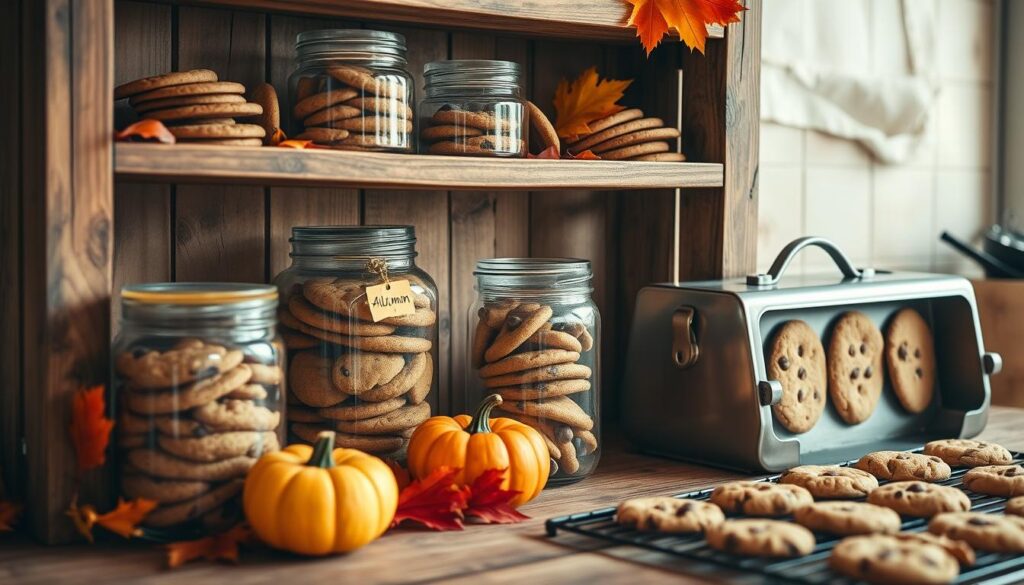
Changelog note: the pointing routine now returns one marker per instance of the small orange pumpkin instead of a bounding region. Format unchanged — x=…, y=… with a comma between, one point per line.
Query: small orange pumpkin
x=477, y=444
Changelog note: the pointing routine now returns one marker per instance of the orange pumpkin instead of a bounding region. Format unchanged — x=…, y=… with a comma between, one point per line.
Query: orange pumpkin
x=477, y=444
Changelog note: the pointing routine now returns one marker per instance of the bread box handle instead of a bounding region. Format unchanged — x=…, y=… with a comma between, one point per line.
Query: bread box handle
x=787, y=254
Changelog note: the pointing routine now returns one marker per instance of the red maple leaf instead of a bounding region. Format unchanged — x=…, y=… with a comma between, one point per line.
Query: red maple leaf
x=90, y=428
x=434, y=501
x=490, y=503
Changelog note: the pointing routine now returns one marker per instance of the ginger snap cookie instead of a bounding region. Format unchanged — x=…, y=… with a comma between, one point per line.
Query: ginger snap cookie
x=164, y=491
x=446, y=115
x=550, y=373
x=354, y=409
x=558, y=409
x=968, y=452
x=449, y=132
x=207, y=111
x=543, y=390
x=188, y=396
x=552, y=339
x=409, y=375
x=636, y=137
x=384, y=108
x=189, y=89
x=761, y=538
x=847, y=518
x=528, y=360
x=356, y=372
x=236, y=415
x=910, y=357
x=988, y=532
x=222, y=141
x=919, y=499
x=309, y=376
x=959, y=549
x=597, y=129
x=379, y=344
x=900, y=465
x=831, y=481
x=518, y=327
x=192, y=509
x=164, y=80
x=218, y=131
x=220, y=446
x=332, y=114
x=855, y=367
x=362, y=79
x=368, y=443
x=797, y=360
x=613, y=132
x=672, y=515
x=418, y=392
x=996, y=480
x=542, y=132
x=265, y=95
x=628, y=152
x=482, y=338
x=189, y=100
x=188, y=361
x=313, y=103
x=880, y=558
x=760, y=498
x=661, y=157
x=323, y=135
x=406, y=417
x=157, y=463
x=373, y=125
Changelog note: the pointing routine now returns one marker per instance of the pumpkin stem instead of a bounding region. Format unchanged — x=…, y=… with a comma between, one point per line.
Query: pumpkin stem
x=323, y=451
x=481, y=422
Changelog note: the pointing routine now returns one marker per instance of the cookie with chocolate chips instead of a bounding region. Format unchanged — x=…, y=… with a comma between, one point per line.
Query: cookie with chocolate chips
x=831, y=481
x=761, y=538
x=855, y=367
x=910, y=356
x=797, y=361
x=880, y=558
x=989, y=532
x=760, y=498
x=968, y=452
x=900, y=465
x=847, y=518
x=919, y=499
x=665, y=514
x=996, y=480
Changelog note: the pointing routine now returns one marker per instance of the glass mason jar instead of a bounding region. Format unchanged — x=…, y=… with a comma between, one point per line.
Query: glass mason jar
x=368, y=380
x=199, y=385
x=535, y=334
x=473, y=108
x=351, y=91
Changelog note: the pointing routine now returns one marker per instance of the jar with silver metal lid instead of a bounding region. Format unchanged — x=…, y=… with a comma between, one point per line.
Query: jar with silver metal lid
x=474, y=108
x=199, y=389
x=535, y=337
x=351, y=91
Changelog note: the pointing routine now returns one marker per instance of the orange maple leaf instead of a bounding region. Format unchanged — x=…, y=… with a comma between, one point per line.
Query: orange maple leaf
x=90, y=428
x=146, y=131
x=653, y=18
x=219, y=547
x=9, y=513
x=585, y=100
x=122, y=520
x=294, y=143
x=277, y=137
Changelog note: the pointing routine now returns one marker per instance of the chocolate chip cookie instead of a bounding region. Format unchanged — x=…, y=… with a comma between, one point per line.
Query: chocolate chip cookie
x=406, y=417
x=558, y=409
x=989, y=532
x=356, y=372
x=831, y=481
x=1015, y=506
x=797, y=360
x=665, y=514
x=409, y=375
x=188, y=361
x=761, y=538
x=544, y=374
x=996, y=480
x=847, y=518
x=910, y=356
x=188, y=396
x=960, y=550
x=518, y=327
x=528, y=360
x=880, y=558
x=236, y=415
x=543, y=390
x=310, y=375
x=760, y=498
x=220, y=446
x=855, y=367
x=968, y=452
x=164, y=491
x=919, y=499
x=899, y=465
x=160, y=464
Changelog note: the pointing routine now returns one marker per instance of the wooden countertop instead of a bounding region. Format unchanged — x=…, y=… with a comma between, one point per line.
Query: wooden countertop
x=517, y=554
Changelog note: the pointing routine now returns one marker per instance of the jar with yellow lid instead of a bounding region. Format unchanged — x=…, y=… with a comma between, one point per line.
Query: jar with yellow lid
x=199, y=387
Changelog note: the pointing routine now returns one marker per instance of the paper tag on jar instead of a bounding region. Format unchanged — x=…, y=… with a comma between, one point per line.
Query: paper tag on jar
x=391, y=299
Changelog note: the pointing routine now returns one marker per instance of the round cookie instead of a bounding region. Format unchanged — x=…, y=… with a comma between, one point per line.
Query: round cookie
x=223, y=141
x=996, y=480
x=797, y=361
x=960, y=550
x=450, y=147
x=482, y=338
x=160, y=464
x=528, y=360
x=919, y=499
x=446, y=115
x=218, y=131
x=323, y=135
x=579, y=144
x=307, y=86
x=357, y=372
x=855, y=367
x=614, y=132
x=347, y=298
x=332, y=114
x=192, y=509
x=362, y=79
x=518, y=327
x=900, y=465
x=831, y=481
x=379, y=344
x=207, y=111
x=372, y=125
x=190, y=396
x=661, y=157
x=968, y=452
x=545, y=374
x=220, y=446
x=409, y=374
x=494, y=314
x=236, y=415
x=988, y=532
x=880, y=558
x=401, y=419
x=1015, y=506
x=189, y=100
x=265, y=95
x=543, y=390
x=314, y=103
x=358, y=410
x=188, y=361
x=373, y=444
x=761, y=538
x=628, y=152
x=167, y=79
x=847, y=518
x=357, y=141
x=551, y=339
x=248, y=391
x=419, y=391
x=309, y=376
x=264, y=374
x=910, y=357
x=384, y=107
x=189, y=89
x=448, y=132
x=163, y=491
x=637, y=137
x=760, y=498
x=672, y=515
x=558, y=409
x=541, y=131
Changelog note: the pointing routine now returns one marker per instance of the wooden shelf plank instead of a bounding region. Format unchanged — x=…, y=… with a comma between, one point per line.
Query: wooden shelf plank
x=187, y=163
x=592, y=19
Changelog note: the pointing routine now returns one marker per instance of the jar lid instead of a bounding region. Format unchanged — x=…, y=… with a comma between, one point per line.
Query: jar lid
x=472, y=72
x=198, y=293
x=531, y=267
x=354, y=240
x=352, y=43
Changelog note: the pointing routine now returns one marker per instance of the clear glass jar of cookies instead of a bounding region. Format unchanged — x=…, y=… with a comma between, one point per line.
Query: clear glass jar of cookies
x=534, y=334
x=351, y=91
x=473, y=108
x=199, y=391
x=359, y=320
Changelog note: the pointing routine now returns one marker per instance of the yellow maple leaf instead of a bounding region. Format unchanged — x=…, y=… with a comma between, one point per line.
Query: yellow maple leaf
x=122, y=520
x=585, y=100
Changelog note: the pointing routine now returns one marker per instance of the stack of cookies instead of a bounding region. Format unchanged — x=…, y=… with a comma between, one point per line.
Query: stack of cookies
x=198, y=108
x=351, y=108
x=367, y=381
x=628, y=135
x=193, y=420
x=452, y=130
x=532, y=359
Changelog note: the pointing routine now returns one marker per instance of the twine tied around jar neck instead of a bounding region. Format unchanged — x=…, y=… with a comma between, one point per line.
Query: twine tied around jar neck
x=379, y=266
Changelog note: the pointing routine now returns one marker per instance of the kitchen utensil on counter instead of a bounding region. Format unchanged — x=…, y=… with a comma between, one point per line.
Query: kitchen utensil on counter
x=696, y=382
x=994, y=266
x=1007, y=245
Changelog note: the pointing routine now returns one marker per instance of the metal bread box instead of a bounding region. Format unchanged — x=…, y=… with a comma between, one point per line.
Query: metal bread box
x=696, y=384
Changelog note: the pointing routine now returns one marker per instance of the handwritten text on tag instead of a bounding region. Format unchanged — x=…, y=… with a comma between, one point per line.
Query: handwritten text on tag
x=392, y=299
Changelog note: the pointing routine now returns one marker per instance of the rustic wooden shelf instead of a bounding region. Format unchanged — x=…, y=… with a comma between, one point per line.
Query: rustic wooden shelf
x=186, y=163
x=592, y=19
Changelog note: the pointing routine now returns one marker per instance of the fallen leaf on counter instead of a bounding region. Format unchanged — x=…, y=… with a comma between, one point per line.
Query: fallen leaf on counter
x=277, y=137
x=9, y=514
x=550, y=152
x=585, y=155
x=653, y=18
x=90, y=428
x=122, y=520
x=490, y=503
x=292, y=143
x=146, y=131
x=434, y=501
x=585, y=100
x=218, y=547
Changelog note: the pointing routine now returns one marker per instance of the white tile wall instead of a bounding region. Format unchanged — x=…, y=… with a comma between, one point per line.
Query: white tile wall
x=890, y=216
